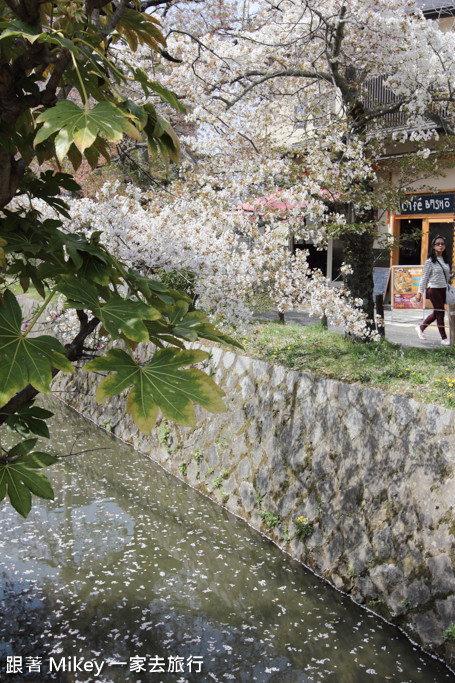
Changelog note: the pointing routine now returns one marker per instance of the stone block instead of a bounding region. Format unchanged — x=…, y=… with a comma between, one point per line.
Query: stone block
x=382, y=544
x=279, y=478
x=247, y=387
x=416, y=593
x=231, y=485
x=247, y=496
x=256, y=454
x=355, y=422
x=260, y=369
x=237, y=420
x=428, y=627
x=244, y=469
x=295, y=458
x=359, y=558
x=213, y=458
x=438, y=419
x=442, y=575
x=386, y=577
x=279, y=400
x=243, y=364
x=264, y=481
x=404, y=410
x=291, y=381
x=371, y=401
x=348, y=394
x=326, y=489
x=238, y=446
x=304, y=386
x=287, y=503
x=217, y=355
x=446, y=609
x=333, y=551
x=278, y=376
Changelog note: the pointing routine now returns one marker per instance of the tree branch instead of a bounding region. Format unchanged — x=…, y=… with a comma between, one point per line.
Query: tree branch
x=291, y=73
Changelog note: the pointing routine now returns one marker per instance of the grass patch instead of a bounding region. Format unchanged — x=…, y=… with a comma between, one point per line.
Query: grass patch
x=428, y=375
x=16, y=288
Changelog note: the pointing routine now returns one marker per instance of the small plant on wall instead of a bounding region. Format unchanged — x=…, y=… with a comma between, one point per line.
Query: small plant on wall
x=303, y=528
x=270, y=519
x=449, y=633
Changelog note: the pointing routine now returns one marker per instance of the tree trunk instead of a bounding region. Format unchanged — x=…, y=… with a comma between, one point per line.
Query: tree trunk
x=358, y=251
x=11, y=172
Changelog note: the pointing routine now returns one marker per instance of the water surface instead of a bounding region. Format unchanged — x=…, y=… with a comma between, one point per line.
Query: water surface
x=132, y=570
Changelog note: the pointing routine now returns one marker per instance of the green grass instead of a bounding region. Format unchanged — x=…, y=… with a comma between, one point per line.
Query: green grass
x=16, y=288
x=428, y=375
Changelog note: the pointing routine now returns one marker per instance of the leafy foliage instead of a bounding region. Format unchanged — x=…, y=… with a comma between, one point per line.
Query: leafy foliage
x=62, y=97
x=29, y=419
x=19, y=476
x=160, y=383
x=25, y=359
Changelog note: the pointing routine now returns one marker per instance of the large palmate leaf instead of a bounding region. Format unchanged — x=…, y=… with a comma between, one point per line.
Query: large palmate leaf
x=195, y=324
x=74, y=124
x=19, y=478
x=29, y=419
x=160, y=384
x=116, y=314
x=25, y=360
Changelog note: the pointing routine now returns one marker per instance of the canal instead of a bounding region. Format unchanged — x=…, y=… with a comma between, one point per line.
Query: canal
x=130, y=575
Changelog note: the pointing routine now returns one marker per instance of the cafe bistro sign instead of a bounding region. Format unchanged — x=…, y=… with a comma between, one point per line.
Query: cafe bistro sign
x=428, y=203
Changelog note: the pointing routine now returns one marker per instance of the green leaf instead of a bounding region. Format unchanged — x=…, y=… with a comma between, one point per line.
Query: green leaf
x=117, y=314
x=35, y=481
x=29, y=419
x=195, y=324
x=19, y=28
x=160, y=384
x=25, y=360
x=167, y=96
x=73, y=124
x=18, y=493
x=19, y=478
x=37, y=460
x=22, y=448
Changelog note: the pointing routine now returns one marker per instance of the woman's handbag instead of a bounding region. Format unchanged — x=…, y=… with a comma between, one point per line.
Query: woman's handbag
x=450, y=297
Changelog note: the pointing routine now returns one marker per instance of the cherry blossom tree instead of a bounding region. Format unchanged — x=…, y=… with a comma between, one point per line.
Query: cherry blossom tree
x=308, y=97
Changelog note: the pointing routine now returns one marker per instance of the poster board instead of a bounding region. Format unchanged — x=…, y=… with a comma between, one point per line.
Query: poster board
x=381, y=278
x=405, y=285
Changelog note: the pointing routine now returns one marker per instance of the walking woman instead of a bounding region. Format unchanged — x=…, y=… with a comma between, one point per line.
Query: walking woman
x=436, y=275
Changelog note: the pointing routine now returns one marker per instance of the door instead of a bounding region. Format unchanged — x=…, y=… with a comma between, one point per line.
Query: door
x=445, y=229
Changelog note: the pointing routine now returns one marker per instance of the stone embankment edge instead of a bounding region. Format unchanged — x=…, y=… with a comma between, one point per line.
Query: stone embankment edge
x=373, y=474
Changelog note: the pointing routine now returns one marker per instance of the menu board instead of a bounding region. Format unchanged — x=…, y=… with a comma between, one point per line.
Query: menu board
x=381, y=281
x=405, y=285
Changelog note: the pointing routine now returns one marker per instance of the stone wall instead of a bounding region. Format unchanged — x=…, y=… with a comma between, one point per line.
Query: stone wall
x=373, y=475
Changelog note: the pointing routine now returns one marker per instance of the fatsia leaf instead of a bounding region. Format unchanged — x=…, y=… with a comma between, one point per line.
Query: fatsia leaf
x=29, y=419
x=195, y=324
x=23, y=359
x=74, y=124
x=19, y=478
x=117, y=314
x=159, y=384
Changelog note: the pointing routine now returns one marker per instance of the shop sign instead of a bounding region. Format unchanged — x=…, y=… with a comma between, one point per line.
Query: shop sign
x=405, y=285
x=428, y=203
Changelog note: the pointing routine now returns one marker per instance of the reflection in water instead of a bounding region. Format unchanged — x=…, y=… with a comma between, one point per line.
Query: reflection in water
x=130, y=568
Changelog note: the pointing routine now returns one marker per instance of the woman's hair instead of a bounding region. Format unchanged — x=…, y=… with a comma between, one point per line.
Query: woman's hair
x=432, y=253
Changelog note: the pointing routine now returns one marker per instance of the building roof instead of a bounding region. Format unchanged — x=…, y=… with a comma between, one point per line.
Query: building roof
x=436, y=8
